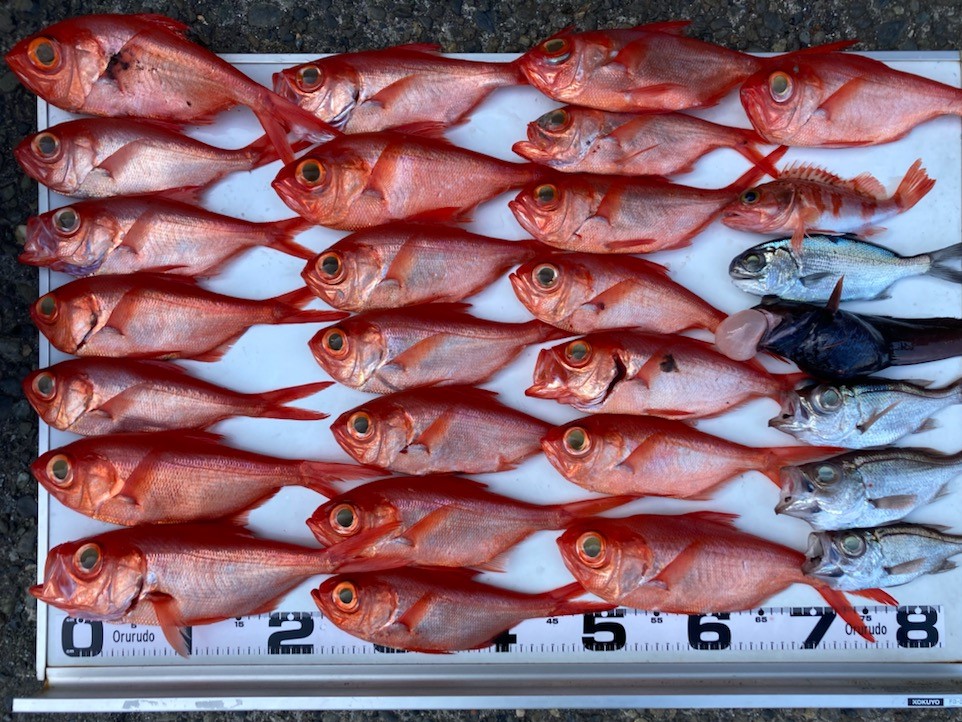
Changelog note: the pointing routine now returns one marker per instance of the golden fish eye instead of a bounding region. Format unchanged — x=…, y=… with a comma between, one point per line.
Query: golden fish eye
x=360, y=426
x=44, y=53
x=46, y=146
x=558, y=119
x=87, y=559
x=45, y=386
x=576, y=441
x=852, y=545
x=545, y=276
x=545, y=194
x=310, y=173
x=557, y=50
x=780, y=86
x=578, y=353
x=344, y=519
x=592, y=549
x=345, y=597
x=66, y=220
x=335, y=341
x=330, y=267
x=750, y=197
x=309, y=77
x=827, y=474
x=60, y=470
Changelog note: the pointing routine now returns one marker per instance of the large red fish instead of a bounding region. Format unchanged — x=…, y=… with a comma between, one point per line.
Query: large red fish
x=176, y=476
x=142, y=66
x=149, y=233
x=436, y=610
x=621, y=454
x=838, y=100
x=175, y=576
x=393, y=87
x=584, y=140
x=611, y=214
x=583, y=292
x=674, y=377
x=439, y=431
x=809, y=198
x=155, y=315
x=695, y=563
x=101, y=157
x=405, y=264
x=368, y=179
x=439, y=521
x=438, y=344
x=97, y=396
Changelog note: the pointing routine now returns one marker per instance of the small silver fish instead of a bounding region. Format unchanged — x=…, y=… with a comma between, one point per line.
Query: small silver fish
x=862, y=415
x=879, y=557
x=810, y=275
x=865, y=488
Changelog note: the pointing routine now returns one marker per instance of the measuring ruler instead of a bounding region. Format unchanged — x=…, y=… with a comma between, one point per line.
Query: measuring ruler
x=622, y=632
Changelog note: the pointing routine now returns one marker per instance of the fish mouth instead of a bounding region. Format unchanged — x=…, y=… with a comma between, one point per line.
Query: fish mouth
x=521, y=289
x=794, y=415
x=524, y=217
x=795, y=499
x=36, y=591
x=740, y=273
x=530, y=151
x=821, y=558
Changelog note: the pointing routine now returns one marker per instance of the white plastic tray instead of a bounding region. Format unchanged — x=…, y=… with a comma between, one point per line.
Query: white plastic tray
x=232, y=666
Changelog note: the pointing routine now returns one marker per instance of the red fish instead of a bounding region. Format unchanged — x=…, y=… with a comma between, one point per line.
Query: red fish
x=440, y=521
x=609, y=214
x=583, y=292
x=436, y=610
x=674, y=377
x=101, y=157
x=368, y=179
x=175, y=576
x=616, y=454
x=155, y=315
x=405, y=264
x=438, y=344
x=439, y=431
x=807, y=197
x=112, y=396
x=149, y=233
x=382, y=89
x=584, y=140
x=142, y=66
x=176, y=476
x=837, y=100
x=690, y=564
x=646, y=68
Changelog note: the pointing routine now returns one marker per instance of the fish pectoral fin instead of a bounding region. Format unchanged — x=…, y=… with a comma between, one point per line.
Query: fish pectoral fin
x=611, y=296
x=895, y=502
x=498, y=564
x=398, y=90
x=814, y=278
x=217, y=353
x=874, y=417
x=798, y=237
x=910, y=567
x=946, y=566
x=416, y=613
x=171, y=622
x=114, y=165
x=677, y=568
x=639, y=457
x=927, y=425
x=418, y=354
x=435, y=431
x=661, y=361
x=427, y=524
x=118, y=406
x=402, y=265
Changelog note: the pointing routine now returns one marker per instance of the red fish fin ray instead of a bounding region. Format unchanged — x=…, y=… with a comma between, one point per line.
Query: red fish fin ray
x=288, y=308
x=613, y=295
x=419, y=353
x=273, y=402
x=781, y=456
x=642, y=265
x=753, y=175
x=303, y=124
x=115, y=164
x=263, y=151
x=280, y=146
x=641, y=455
x=652, y=367
x=435, y=431
x=416, y=613
x=118, y=406
x=162, y=21
x=429, y=523
x=349, y=553
x=217, y=353
x=840, y=603
x=914, y=186
x=399, y=89
x=756, y=157
x=641, y=245
x=571, y=511
x=403, y=263
x=798, y=238
x=191, y=195
x=320, y=475
x=563, y=603
x=451, y=214
x=282, y=237
x=831, y=47
x=670, y=27
x=848, y=93
x=171, y=621
x=498, y=565
x=877, y=595
x=424, y=128
x=678, y=568
x=713, y=517
x=433, y=48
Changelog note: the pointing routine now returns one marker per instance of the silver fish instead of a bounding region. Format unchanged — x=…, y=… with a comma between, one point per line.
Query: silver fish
x=811, y=274
x=879, y=557
x=865, y=488
x=862, y=415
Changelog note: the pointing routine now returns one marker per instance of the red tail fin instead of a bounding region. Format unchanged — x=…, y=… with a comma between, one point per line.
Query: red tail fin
x=539, y=332
x=320, y=476
x=568, y=513
x=273, y=402
x=780, y=456
x=756, y=158
x=282, y=238
x=287, y=309
x=279, y=114
x=913, y=187
x=752, y=176
x=877, y=595
x=564, y=604
x=845, y=610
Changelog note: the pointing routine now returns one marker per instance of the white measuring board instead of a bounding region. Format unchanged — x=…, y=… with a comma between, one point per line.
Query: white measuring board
x=793, y=626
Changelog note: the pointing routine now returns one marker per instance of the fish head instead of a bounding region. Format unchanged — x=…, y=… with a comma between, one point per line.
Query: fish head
x=761, y=209
x=552, y=287
x=323, y=186
x=359, y=510
x=60, y=157
x=580, y=372
x=608, y=559
x=74, y=238
x=68, y=319
x=849, y=559
x=561, y=66
x=781, y=98
x=326, y=87
x=584, y=448
x=826, y=489
x=374, y=433
x=61, y=394
x=358, y=603
x=825, y=411
x=79, y=478
x=97, y=579
x=764, y=268
x=561, y=136
x=554, y=211
x=351, y=351
x=345, y=275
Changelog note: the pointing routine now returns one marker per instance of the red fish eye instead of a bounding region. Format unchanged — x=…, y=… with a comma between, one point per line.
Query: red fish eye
x=556, y=120
x=592, y=549
x=546, y=195
x=46, y=146
x=330, y=267
x=545, y=276
x=578, y=353
x=359, y=425
x=576, y=441
x=750, y=197
x=344, y=597
x=87, y=560
x=44, y=53
x=310, y=173
x=309, y=78
x=335, y=341
x=344, y=519
x=47, y=307
x=557, y=49
x=780, y=86
x=66, y=221
x=60, y=470
x=45, y=386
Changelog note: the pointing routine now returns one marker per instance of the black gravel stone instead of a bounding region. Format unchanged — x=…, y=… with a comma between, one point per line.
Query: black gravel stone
x=264, y=15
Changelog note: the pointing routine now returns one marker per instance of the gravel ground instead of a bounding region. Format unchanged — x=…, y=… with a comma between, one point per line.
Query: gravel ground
x=326, y=26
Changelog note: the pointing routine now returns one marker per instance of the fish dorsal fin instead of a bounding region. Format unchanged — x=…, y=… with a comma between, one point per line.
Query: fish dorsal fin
x=162, y=21
x=433, y=48
x=864, y=184
x=670, y=27
x=643, y=266
x=712, y=517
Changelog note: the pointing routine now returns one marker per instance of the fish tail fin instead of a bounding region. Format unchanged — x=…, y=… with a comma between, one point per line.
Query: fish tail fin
x=287, y=308
x=567, y=513
x=878, y=595
x=754, y=155
x=753, y=175
x=782, y=456
x=280, y=116
x=264, y=150
x=840, y=603
x=941, y=259
x=320, y=476
x=538, y=332
x=913, y=187
x=515, y=71
x=282, y=237
x=273, y=404
x=562, y=603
